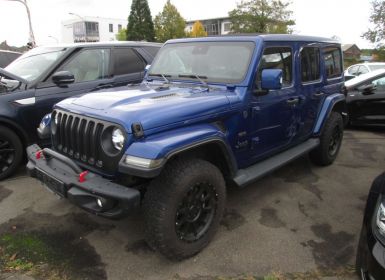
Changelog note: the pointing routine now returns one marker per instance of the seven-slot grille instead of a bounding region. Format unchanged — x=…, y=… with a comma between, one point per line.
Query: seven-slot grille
x=81, y=138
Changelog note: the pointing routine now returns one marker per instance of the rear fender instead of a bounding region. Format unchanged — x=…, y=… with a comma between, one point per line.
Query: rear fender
x=334, y=102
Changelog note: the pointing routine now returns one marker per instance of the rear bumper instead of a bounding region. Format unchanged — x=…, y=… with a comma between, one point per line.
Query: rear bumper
x=96, y=194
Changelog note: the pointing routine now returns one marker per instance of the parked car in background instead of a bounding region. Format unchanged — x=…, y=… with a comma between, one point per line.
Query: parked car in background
x=365, y=98
x=6, y=57
x=363, y=68
x=370, y=261
x=33, y=83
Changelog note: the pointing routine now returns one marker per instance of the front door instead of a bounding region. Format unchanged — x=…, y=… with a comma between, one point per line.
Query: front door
x=273, y=114
x=91, y=69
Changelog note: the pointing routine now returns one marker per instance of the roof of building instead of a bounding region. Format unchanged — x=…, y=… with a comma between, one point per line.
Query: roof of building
x=345, y=47
x=207, y=19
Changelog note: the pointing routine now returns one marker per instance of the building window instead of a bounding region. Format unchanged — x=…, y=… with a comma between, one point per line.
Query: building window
x=227, y=27
x=119, y=27
x=111, y=27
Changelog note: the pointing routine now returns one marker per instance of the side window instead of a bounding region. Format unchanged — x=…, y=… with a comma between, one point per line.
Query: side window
x=379, y=83
x=362, y=70
x=310, y=64
x=89, y=65
x=333, y=64
x=126, y=61
x=277, y=58
x=353, y=70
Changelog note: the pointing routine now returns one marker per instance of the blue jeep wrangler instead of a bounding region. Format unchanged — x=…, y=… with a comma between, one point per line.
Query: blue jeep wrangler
x=210, y=112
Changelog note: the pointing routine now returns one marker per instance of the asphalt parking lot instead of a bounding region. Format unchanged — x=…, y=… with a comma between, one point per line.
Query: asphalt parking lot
x=301, y=222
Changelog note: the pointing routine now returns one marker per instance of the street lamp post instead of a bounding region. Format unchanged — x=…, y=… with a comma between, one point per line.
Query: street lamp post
x=31, y=35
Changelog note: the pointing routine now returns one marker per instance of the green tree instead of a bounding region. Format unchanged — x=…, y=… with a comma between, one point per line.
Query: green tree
x=261, y=16
x=376, y=34
x=140, y=26
x=198, y=30
x=169, y=24
x=122, y=35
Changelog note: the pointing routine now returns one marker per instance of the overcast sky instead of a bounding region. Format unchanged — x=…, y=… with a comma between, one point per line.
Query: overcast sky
x=347, y=19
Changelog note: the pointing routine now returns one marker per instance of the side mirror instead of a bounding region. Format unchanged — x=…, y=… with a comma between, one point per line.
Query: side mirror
x=367, y=89
x=63, y=78
x=271, y=79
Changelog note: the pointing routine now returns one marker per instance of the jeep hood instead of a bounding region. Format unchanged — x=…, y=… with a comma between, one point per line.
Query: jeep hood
x=152, y=108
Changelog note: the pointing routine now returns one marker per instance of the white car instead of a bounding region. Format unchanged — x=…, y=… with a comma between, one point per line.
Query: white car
x=363, y=68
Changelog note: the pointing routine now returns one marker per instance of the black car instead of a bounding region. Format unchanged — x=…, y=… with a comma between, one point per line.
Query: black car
x=370, y=263
x=6, y=57
x=365, y=98
x=33, y=83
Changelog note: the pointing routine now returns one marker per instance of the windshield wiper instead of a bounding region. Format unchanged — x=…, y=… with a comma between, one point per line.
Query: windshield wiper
x=161, y=75
x=194, y=76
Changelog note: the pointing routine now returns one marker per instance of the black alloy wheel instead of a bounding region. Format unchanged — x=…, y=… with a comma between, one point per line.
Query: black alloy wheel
x=335, y=141
x=11, y=152
x=183, y=207
x=330, y=141
x=7, y=155
x=196, y=212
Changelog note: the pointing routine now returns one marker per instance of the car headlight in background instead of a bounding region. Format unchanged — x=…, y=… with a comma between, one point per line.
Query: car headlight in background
x=380, y=219
x=44, y=129
x=118, y=139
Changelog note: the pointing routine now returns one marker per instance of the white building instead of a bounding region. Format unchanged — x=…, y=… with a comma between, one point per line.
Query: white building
x=214, y=26
x=91, y=29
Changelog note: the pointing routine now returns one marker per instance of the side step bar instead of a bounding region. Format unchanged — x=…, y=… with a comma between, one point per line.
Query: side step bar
x=260, y=169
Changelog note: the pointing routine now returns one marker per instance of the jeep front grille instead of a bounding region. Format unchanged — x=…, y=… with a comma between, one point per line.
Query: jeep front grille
x=82, y=139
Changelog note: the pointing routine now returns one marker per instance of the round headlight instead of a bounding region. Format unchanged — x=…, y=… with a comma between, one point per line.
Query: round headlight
x=117, y=138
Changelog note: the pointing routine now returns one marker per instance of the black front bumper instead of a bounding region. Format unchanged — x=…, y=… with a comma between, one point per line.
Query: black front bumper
x=370, y=256
x=96, y=194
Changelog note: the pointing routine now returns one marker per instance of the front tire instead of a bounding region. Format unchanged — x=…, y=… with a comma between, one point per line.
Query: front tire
x=11, y=152
x=330, y=141
x=183, y=207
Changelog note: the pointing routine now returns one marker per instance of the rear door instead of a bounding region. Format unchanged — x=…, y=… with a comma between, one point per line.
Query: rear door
x=310, y=88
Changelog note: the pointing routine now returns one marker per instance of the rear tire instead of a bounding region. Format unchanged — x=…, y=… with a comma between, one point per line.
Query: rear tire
x=183, y=207
x=11, y=152
x=330, y=141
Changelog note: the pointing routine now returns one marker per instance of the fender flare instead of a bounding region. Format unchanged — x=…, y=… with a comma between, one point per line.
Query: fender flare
x=329, y=105
x=165, y=145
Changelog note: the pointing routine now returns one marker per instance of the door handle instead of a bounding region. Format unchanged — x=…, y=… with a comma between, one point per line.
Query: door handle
x=292, y=101
x=318, y=93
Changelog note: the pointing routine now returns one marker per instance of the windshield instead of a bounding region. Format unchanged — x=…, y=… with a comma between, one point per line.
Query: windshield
x=376, y=66
x=33, y=63
x=220, y=62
